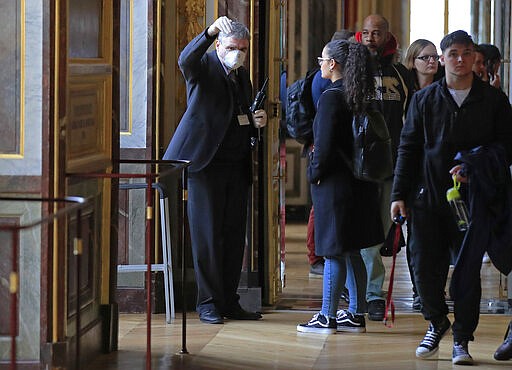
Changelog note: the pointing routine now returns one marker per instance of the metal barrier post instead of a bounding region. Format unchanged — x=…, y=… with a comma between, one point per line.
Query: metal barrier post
x=14, y=275
x=178, y=165
x=183, y=267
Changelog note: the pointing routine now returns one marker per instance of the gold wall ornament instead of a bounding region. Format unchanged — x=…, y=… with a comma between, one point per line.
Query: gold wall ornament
x=191, y=22
x=191, y=13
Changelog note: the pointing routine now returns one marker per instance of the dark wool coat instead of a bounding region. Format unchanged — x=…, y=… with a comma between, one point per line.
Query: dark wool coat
x=347, y=215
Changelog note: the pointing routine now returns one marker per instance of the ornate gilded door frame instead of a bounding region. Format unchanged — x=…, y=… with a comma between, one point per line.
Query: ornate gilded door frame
x=274, y=177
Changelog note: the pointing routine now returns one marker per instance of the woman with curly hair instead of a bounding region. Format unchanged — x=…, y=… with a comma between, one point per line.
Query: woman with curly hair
x=347, y=216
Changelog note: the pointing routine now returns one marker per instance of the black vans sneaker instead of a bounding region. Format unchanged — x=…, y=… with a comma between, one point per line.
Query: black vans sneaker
x=430, y=343
x=460, y=354
x=348, y=322
x=318, y=324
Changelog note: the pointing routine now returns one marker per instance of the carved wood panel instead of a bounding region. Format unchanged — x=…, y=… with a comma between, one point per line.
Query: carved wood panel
x=89, y=262
x=5, y=270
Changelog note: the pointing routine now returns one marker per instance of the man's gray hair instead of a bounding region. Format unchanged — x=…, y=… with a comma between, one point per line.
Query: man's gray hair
x=238, y=31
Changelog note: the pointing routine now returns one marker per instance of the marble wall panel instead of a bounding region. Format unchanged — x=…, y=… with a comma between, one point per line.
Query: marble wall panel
x=134, y=73
x=9, y=79
x=27, y=122
x=28, y=341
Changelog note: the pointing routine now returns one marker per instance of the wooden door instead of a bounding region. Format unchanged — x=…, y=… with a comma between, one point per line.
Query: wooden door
x=84, y=128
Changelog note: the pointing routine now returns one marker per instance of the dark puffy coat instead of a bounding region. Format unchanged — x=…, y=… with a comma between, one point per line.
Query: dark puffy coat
x=436, y=129
x=347, y=213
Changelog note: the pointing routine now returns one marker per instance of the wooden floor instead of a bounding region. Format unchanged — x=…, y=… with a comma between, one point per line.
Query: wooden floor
x=273, y=343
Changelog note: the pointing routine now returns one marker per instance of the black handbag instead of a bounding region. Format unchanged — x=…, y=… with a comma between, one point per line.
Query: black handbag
x=387, y=247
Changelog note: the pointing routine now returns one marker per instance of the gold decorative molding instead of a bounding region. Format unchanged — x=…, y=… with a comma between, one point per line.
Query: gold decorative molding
x=191, y=22
x=191, y=11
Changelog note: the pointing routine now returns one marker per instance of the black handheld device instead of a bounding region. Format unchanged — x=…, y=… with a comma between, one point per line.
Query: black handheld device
x=260, y=97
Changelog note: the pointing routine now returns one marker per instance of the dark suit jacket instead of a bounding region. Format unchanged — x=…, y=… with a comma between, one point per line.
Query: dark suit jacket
x=209, y=104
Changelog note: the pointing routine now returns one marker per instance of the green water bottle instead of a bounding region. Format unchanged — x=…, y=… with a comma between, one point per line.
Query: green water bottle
x=460, y=211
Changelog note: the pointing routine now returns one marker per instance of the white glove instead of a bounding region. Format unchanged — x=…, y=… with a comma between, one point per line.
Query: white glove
x=221, y=24
x=260, y=118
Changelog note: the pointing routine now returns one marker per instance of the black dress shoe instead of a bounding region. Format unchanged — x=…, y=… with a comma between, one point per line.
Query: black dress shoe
x=240, y=314
x=376, y=309
x=504, y=352
x=211, y=316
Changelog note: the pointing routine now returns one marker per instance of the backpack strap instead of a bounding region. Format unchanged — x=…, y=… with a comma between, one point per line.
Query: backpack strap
x=406, y=91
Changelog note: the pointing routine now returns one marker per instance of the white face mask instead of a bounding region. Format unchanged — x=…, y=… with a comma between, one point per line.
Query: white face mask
x=234, y=59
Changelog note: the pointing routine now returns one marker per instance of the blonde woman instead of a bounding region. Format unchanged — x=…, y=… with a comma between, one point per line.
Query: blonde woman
x=422, y=59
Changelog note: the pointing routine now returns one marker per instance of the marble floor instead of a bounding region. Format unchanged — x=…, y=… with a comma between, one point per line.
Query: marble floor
x=302, y=292
x=273, y=342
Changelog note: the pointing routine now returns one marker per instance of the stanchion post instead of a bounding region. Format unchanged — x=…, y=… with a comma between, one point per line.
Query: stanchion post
x=149, y=249
x=183, y=267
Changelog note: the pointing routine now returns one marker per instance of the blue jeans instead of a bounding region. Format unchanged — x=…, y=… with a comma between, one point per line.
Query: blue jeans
x=339, y=271
x=376, y=272
x=371, y=256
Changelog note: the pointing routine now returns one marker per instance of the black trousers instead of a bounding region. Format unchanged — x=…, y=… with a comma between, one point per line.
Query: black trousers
x=217, y=211
x=434, y=244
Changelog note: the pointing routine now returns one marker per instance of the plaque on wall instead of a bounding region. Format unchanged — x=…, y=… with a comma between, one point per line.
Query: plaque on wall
x=89, y=125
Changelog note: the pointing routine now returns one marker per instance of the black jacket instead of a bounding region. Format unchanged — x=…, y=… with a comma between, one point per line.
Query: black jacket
x=436, y=129
x=490, y=209
x=394, y=87
x=347, y=215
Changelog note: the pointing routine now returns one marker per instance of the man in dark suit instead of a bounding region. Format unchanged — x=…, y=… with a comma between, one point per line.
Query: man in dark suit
x=215, y=135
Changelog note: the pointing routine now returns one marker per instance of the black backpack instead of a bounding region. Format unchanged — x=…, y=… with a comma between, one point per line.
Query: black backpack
x=300, y=109
x=372, y=158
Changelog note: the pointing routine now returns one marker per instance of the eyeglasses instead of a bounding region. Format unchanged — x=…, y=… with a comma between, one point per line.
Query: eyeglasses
x=320, y=60
x=426, y=58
